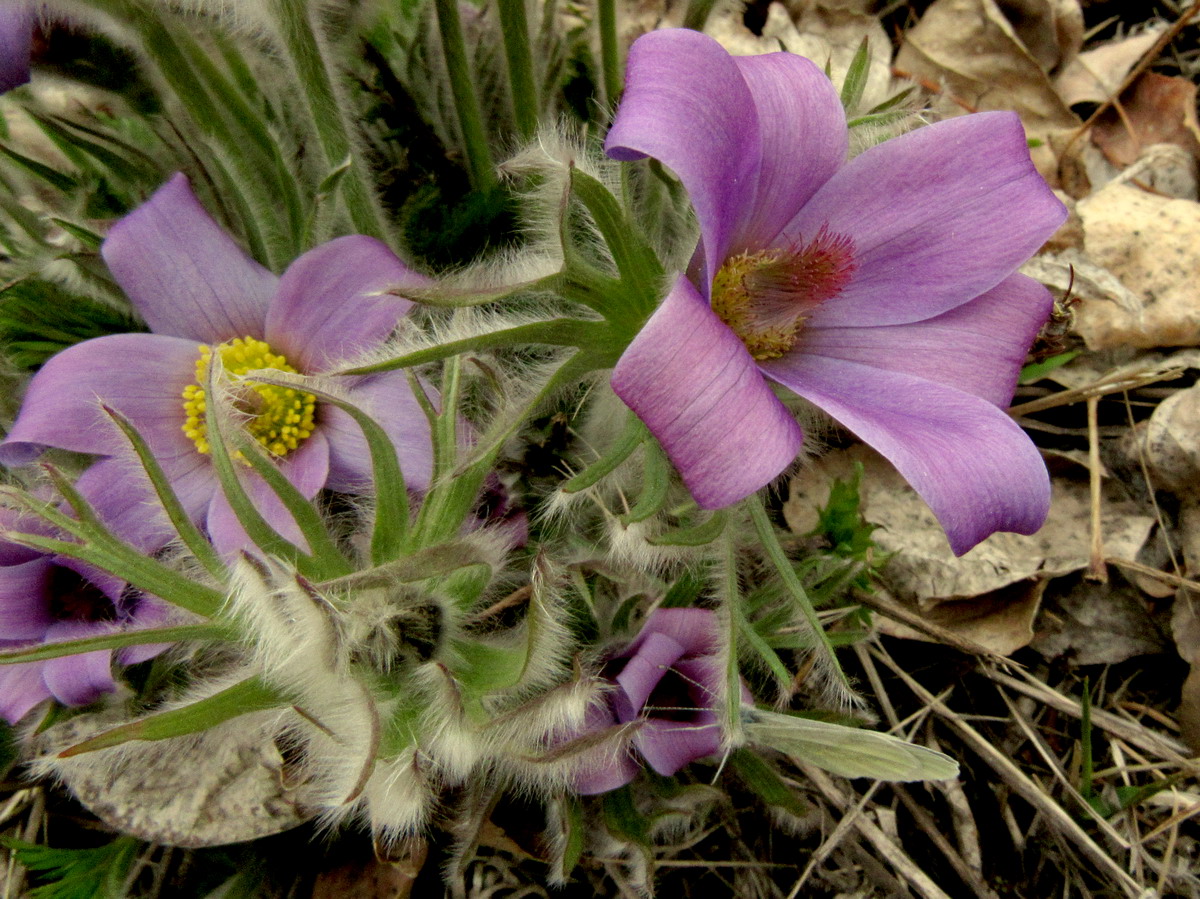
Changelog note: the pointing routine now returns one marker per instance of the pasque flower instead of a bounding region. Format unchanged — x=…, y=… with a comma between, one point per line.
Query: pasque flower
x=16, y=38
x=201, y=295
x=666, y=682
x=883, y=290
x=46, y=598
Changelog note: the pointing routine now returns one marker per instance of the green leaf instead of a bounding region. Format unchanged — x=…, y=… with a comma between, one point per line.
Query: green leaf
x=39, y=318
x=98, y=873
x=117, y=640
x=53, y=177
x=1037, y=370
x=765, y=782
x=169, y=499
x=696, y=535
x=623, y=819
x=848, y=751
x=250, y=695
x=390, y=491
x=633, y=435
x=856, y=76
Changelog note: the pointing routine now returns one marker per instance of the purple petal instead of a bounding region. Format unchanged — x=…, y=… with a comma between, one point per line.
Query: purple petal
x=21, y=688
x=183, y=273
x=969, y=461
x=669, y=745
x=79, y=679
x=687, y=105
x=141, y=375
x=333, y=302
x=804, y=140
x=389, y=400
x=978, y=347
x=690, y=379
x=938, y=216
x=607, y=765
x=642, y=673
x=307, y=468
x=150, y=612
x=16, y=39
x=24, y=602
x=693, y=629
x=124, y=499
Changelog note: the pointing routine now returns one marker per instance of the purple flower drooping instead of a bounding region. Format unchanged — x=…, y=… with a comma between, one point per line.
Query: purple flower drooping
x=201, y=294
x=883, y=290
x=16, y=39
x=668, y=681
x=46, y=598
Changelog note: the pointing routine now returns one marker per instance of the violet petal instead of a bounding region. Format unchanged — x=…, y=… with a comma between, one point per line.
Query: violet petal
x=608, y=765
x=970, y=462
x=687, y=105
x=693, y=629
x=938, y=216
x=691, y=380
x=306, y=468
x=804, y=140
x=978, y=347
x=642, y=673
x=79, y=679
x=21, y=687
x=388, y=399
x=24, y=602
x=150, y=612
x=184, y=274
x=140, y=375
x=333, y=302
x=16, y=40
x=669, y=745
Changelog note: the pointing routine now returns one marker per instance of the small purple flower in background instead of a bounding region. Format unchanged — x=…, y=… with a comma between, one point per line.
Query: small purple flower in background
x=883, y=290
x=46, y=598
x=16, y=39
x=201, y=294
x=668, y=681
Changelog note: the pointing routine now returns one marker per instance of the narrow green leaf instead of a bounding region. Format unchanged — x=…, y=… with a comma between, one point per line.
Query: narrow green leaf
x=556, y=332
x=765, y=782
x=390, y=492
x=856, y=76
x=656, y=481
x=1038, y=370
x=169, y=499
x=118, y=640
x=795, y=590
x=633, y=435
x=53, y=177
x=250, y=695
x=698, y=535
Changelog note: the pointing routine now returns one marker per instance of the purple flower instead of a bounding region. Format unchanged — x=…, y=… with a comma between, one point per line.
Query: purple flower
x=46, y=598
x=667, y=680
x=201, y=294
x=16, y=39
x=883, y=290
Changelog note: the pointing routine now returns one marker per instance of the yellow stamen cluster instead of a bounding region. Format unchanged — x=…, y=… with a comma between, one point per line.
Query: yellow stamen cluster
x=735, y=305
x=279, y=418
x=766, y=296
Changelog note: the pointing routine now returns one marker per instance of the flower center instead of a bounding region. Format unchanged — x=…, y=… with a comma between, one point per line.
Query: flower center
x=766, y=296
x=279, y=418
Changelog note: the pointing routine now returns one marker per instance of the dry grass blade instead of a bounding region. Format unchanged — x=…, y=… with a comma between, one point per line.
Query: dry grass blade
x=1023, y=785
x=909, y=870
x=1113, y=382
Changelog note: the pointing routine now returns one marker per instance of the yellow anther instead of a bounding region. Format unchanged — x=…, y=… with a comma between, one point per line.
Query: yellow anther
x=271, y=409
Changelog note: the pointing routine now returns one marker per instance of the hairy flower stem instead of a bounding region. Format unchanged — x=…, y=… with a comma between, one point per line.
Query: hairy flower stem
x=610, y=53
x=470, y=120
x=514, y=25
x=328, y=114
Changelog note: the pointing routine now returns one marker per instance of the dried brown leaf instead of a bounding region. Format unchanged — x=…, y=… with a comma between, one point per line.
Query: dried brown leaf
x=1096, y=75
x=972, y=48
x=1156, y=109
